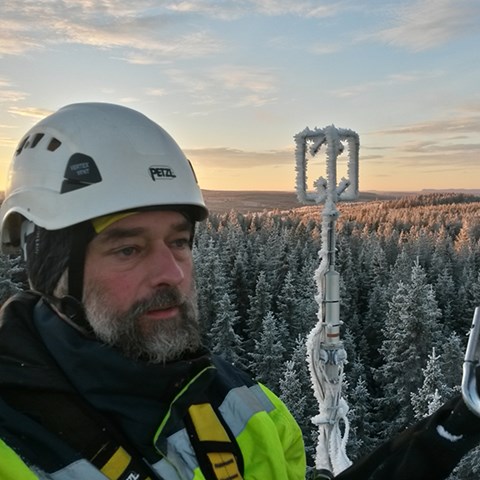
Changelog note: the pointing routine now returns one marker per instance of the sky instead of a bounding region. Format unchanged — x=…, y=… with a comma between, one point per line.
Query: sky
x=233, y=81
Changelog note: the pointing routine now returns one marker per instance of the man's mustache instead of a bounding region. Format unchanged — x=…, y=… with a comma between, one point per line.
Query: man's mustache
x=162, y=299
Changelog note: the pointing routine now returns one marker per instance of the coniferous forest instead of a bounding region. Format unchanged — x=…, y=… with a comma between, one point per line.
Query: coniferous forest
x=410, y=281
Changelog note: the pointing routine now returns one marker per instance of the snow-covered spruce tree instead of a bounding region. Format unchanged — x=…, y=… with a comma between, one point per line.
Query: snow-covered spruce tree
x=464, y=242
x=224, y=341
x=451, y=351
x=374, y=321
x=240, y=284
x=307, y=307
x=444, y=255
x=292, y=392
x=446, y=294
x=433, y=392
x=349, y=280
x=411, y=330
x=373, y=268
x=213, y=284
x=473, y=295
x=267, y=358
x=260, y=305
x=207, y=267
x=289, y=312
x=234, y=256
x=360, y=417
x=402, y=269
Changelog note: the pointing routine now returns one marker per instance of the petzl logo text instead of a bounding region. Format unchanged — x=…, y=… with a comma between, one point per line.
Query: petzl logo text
x=161, y=172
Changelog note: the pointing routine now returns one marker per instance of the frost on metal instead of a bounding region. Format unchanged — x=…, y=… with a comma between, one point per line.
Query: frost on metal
x=335, y=140
x=325, y=353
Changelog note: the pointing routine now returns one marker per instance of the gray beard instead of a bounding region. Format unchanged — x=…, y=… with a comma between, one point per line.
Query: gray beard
x=154, y=341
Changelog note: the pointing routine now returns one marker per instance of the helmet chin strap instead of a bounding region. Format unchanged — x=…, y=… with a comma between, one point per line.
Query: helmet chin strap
x=81, y=237
x=70, y=306
x=26, y=229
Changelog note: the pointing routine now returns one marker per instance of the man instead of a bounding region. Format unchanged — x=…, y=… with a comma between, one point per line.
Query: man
x=102, y=371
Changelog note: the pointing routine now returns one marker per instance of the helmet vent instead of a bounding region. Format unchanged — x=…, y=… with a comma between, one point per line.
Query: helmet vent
x=36, y=139
x=54, y=144
x=22, y=145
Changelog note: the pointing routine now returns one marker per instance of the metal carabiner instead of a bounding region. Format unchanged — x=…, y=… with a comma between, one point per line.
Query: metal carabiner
x=470, y=391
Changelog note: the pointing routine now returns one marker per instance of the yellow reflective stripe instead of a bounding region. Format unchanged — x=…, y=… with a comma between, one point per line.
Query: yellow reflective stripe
x=116, y=465
x=206, y=424
x=224, y=465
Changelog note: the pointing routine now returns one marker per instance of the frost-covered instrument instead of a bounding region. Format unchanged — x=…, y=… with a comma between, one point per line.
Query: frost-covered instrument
x=325, y=351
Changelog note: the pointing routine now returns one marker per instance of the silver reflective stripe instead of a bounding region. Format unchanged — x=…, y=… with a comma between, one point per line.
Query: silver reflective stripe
x=241, y=404
x=262, y=398
x=181, y=460
x=79, y=470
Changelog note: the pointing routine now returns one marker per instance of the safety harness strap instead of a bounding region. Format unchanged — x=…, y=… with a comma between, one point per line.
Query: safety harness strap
x=218, y=456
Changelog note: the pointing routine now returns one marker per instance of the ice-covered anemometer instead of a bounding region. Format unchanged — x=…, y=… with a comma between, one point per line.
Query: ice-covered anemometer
x=325, y=352
x=470, y=364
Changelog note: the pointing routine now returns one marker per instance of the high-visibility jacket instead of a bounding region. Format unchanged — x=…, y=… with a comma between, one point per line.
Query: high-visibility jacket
x=212, y=422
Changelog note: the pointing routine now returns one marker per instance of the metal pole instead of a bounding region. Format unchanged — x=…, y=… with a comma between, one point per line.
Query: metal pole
x=469, y=380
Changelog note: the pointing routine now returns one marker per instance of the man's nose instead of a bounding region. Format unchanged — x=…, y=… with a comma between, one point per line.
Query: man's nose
x=166, y=269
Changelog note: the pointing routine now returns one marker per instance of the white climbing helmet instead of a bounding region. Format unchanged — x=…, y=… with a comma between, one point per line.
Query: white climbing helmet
x=92, y=159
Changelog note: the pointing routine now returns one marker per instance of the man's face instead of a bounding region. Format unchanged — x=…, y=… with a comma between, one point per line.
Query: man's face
x=139, y=292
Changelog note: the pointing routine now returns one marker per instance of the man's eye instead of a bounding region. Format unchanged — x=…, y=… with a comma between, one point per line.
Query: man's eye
x=181, y=243
x=127, y=251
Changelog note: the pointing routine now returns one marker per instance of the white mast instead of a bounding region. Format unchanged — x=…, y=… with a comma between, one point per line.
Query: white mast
x=325, y=352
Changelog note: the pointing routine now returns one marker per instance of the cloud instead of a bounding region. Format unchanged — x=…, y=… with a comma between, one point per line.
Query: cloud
x=234, y=9
x=372, y=157
x=304, y=8
x=156, y=92
x=466, y=124
x=149, y=31
x=441, y=147
x=389, y=81
x=452, y=140
x=425, y=24
x=436, y=146
x=325, y=49
x=223, y=86
x=434, y=158
x=14, y=40
x=253, y=86
x=231, y=158
x=8, y=142
x=29, y=112
x=136, y=27
x=439, y=161
x=226, y=10
x=8, y=93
